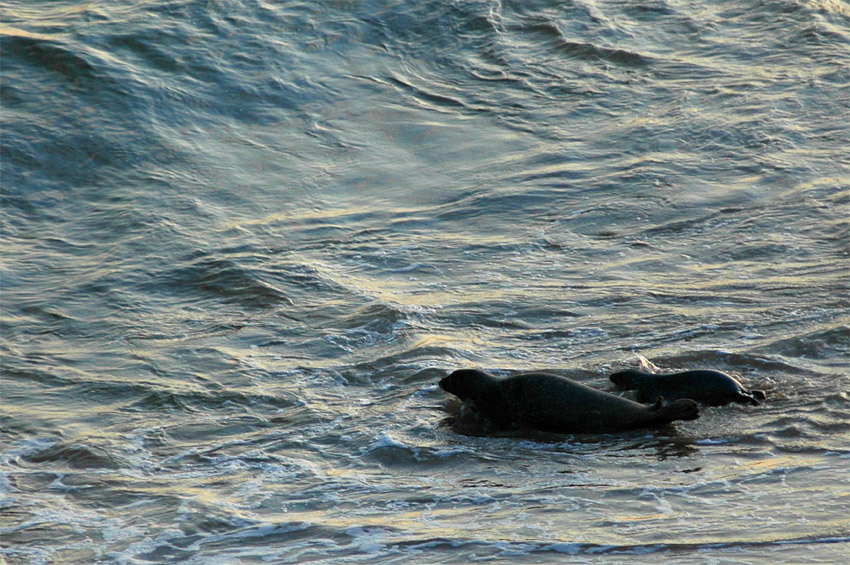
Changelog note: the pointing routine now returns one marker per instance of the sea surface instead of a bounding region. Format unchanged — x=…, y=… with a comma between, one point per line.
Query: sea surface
x=242, y=241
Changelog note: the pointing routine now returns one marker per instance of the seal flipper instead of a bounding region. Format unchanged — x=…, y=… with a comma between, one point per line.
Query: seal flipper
x=659, y=404
x=681, y=409
x=753, y=397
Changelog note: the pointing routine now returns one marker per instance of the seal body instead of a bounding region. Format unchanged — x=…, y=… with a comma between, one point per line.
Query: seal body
x=707, y=387
x=556, y=404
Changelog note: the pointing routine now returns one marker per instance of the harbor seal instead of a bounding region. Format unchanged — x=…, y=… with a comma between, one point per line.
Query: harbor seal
x=550, y=403
x=707, y=387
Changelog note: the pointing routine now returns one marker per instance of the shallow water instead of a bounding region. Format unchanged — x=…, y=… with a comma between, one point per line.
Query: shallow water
x=243, y=240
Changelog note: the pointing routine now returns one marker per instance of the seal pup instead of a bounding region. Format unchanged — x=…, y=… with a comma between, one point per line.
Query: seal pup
x=712, y=388
x=550, y=403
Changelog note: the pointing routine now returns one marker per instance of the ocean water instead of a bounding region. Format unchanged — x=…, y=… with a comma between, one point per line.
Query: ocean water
x=242, y=240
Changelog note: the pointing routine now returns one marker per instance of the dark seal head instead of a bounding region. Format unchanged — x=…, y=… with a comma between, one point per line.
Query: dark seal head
x=469, y=384
x=557, y=404
x=712, y=388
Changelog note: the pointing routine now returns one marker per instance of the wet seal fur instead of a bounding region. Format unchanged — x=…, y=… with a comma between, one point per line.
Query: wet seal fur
x=550, y=403
x=712, y=388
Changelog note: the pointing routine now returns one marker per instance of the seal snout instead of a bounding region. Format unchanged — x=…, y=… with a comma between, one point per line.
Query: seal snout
x=453, y=383
x=467, y=384
x=625, y=379
x=446, y=383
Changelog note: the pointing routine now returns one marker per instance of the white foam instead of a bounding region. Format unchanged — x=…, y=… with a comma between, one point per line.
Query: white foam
x=386, y=440
x=368, y=540
x=567, y=548
x=25, y=448
x=711, y=441
x=449, y=452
